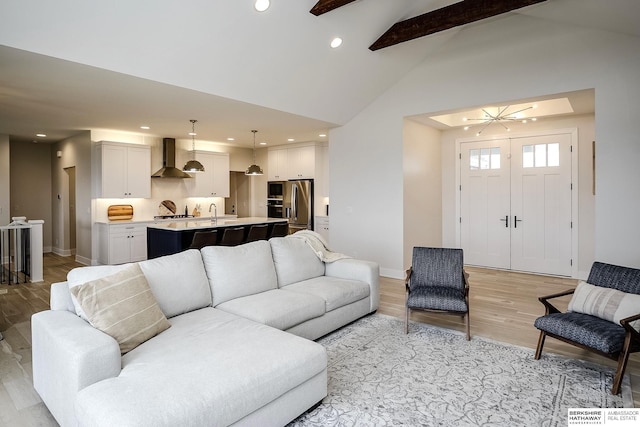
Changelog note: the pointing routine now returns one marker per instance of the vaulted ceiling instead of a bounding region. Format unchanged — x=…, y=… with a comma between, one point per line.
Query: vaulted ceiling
x=66, y=66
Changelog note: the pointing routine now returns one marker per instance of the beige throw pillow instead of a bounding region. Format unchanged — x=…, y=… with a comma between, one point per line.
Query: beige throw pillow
x=122, y=306
x=605, y=303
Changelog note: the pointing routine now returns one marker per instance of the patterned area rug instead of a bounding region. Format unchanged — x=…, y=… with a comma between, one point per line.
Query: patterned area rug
x=378, y=376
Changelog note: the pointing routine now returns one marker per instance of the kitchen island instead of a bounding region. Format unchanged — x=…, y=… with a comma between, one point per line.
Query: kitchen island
x=173, y=237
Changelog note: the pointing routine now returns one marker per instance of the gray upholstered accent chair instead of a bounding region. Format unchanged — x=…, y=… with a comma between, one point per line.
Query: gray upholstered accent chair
x=436, y=282
x=615, y=341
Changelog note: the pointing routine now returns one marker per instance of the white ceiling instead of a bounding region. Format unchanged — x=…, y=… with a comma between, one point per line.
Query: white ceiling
x=67, y=66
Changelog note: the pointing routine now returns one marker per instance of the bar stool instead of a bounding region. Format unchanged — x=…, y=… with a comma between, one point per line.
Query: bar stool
x=257, y=232
x=232, y=236
x=279, y=229
x=204, y=238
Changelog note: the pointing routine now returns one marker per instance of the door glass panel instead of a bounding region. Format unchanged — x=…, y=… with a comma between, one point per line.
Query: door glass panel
x=527, y=156
x=474, y=159
x=495, y=158
x=541, y=155
x=485, y=158
x=553, y=153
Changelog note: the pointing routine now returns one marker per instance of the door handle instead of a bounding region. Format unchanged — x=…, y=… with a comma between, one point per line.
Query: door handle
x=516, y=221
x=506, y=221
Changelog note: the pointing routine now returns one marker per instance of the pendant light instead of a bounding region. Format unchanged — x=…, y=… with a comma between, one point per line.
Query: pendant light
x=193, y=165
x=254, y=169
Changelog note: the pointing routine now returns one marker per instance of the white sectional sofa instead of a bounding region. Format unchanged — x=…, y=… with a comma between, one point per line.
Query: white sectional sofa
x=239, y=350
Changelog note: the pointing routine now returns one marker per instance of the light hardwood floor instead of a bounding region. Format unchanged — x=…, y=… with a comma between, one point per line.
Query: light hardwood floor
x=503, y=307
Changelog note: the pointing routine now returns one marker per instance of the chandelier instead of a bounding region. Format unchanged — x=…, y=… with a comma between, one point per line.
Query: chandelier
x=501, y=116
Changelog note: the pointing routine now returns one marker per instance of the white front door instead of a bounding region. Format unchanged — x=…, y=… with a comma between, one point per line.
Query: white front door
x=515, y=203
x=485, y=200
x=541, y=204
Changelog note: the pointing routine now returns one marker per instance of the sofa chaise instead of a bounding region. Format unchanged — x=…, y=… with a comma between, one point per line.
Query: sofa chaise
x=238, y=346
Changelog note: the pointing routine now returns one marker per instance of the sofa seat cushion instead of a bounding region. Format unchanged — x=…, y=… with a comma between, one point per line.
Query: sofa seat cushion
x=438, y=298
x=584, y=329
x=277, y=308
x=238, y=271
x=294, y=260
x=210, y=368
x=334, y=291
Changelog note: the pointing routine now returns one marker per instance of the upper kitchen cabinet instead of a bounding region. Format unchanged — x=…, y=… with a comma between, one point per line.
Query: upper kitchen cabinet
x=123, y=170
x=302, y=162
x=277, y=165
x=214, y=181
x=292, y=163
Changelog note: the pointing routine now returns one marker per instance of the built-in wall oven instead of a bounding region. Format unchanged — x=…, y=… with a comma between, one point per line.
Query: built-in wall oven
x=275, y=199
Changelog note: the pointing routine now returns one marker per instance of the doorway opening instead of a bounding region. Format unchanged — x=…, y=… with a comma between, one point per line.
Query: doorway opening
x=238, y=203
x=69, y=211
x=517, y=202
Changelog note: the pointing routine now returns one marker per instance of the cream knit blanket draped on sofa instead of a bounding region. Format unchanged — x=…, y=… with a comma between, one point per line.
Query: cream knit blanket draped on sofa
x=319, y=245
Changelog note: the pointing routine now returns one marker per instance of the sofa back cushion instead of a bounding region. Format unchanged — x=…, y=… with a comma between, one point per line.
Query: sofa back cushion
x=238, y=271
x=294, y=260
x=178, y=282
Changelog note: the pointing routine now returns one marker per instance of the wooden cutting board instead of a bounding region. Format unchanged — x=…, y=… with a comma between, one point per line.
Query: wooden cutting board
x=119, y=212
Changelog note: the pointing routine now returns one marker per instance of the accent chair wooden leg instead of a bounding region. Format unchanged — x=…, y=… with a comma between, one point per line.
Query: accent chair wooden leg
x=406, y=320
x=466, y=320
x=622, y=365
x=540, y=345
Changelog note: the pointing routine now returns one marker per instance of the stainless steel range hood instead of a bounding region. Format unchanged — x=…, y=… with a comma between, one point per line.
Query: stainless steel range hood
x=169, y=169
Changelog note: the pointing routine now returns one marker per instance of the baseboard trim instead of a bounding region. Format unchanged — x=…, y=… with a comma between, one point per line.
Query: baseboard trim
x=392, y=273
x=83, y=260
x=62, y=252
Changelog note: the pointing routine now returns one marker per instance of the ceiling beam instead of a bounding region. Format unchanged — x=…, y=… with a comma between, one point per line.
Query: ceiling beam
x=324, y=6
x=457, y=14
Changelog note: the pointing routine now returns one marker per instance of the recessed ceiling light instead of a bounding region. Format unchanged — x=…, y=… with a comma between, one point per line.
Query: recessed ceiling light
x=192, y=134
x=263, y=143
x=261, y=5
x=336, y=42
x=145, y=127
x=41, y=135
x=322, y=135
x=290, y=139
x=231, y=139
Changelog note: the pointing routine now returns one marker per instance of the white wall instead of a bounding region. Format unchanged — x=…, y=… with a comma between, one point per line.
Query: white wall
x=75, y=152
x=30, y=188
x=529, y=59
x=4, y=179
x=422, y=166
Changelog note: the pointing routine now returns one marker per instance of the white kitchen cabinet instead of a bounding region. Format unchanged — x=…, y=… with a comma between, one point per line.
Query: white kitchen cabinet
x=277, y=164
x=124, y=170
x=321, y=226
x=122, y=243
x=292, y=163
x=302, y=162
x=214, y=181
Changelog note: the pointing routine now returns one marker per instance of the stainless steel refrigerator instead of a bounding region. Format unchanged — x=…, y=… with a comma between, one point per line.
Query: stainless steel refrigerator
x=292, y=200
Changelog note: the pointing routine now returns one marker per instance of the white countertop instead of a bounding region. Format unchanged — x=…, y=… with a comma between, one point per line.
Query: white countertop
x=199, y=223
x=164, y=220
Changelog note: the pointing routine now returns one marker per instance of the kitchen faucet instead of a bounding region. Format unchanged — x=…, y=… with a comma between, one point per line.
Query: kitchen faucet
x=214, y=216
